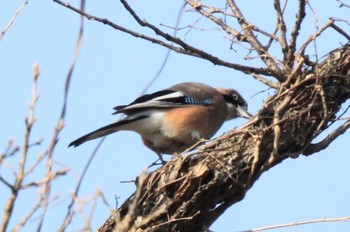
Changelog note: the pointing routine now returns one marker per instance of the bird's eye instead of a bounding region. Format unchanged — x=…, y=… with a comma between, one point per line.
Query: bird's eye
x=235, y=96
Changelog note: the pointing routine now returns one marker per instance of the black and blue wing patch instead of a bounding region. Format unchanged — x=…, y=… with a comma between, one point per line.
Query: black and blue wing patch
x=188, y=100
x=161, y=99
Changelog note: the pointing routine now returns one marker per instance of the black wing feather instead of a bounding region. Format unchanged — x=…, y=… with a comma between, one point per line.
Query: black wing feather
x=176, y=101
x=145, y=98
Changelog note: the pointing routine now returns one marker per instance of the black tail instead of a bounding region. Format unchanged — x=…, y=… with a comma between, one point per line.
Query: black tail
x=103, y=131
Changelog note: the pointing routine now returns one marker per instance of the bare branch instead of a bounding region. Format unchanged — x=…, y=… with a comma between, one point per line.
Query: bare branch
x=152, y=81
x=231, y=31
x=17, y=186
x=199, y=8
x=129, y=220
x=38, y=204
x=9, y=151
x=70, y=213
x=59, y=126
x=267, y=46
x=265, y=56
x=39, y=159
x=314, y=36
x=290, y=58
x=60, y=122
x=341, y=31
x=281, y=25
x=313, y=148
x=187, y=49
x=265, y=81
x=5, y=182
x=344, y=219
x=25, y=219
x=343, y=4
x=13, y=19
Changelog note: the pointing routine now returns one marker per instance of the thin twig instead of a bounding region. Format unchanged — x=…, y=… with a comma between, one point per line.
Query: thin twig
x=186, y=48
x=343, y=4
x=8, y=152
x=313, y=148
x=345, y=219
x=128, y=221
x=69, y=214
x=5, y=182
x=265, y=56
x=265, y=81
x=38, y=204
x=229, y=30
x=290, y=58
x=172, y=220
x=277, y=128
x=17, y=186
x=13, y=19
x=267, y=46
x=312, y=37
x=281, y=25
x=341, y=31
x=181, y=11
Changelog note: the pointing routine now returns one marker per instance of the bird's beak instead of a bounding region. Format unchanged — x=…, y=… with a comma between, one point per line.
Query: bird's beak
x=243, y=112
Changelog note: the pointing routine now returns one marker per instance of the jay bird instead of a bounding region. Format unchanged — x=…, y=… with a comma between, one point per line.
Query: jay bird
x=174, y=119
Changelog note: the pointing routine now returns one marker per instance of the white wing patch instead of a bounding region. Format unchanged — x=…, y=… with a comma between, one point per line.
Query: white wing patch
x=168, y=96
x=157, y=102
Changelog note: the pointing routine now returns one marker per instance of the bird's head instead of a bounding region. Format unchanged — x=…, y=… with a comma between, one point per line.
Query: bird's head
x=236, y=105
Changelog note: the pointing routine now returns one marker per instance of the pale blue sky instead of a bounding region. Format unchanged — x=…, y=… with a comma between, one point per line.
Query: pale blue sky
x=113, y=68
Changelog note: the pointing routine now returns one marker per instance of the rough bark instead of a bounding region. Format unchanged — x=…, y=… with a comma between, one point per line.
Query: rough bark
x=191, y=191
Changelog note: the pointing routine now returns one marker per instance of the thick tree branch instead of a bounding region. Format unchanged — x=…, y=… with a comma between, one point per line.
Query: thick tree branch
x=196, y=188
